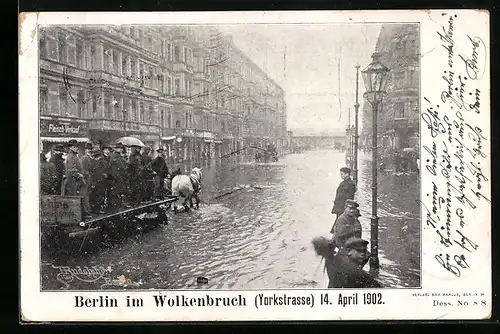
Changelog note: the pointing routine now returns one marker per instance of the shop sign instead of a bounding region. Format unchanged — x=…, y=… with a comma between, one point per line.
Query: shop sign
x=63, y=128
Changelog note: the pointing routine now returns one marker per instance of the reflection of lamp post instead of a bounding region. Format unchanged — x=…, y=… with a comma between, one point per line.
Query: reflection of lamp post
x=375, y=78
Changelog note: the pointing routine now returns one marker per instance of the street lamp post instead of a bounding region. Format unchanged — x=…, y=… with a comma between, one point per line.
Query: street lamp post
x=375, y=77
x=356, y=129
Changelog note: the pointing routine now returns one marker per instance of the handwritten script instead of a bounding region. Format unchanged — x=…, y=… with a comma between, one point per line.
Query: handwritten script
x=456, y=159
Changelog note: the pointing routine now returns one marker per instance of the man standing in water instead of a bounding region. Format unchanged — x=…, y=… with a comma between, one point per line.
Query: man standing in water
x=345, y=191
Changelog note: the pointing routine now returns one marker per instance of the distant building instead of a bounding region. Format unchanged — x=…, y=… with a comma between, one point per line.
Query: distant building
x=399, y=113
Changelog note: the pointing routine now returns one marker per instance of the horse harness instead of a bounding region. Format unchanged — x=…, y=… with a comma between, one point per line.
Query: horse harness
x=195, y=182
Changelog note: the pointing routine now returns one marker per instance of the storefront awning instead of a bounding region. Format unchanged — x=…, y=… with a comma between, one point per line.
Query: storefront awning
x=218, y=142
x=63, y=139
x=168, y=138
x=208, y=140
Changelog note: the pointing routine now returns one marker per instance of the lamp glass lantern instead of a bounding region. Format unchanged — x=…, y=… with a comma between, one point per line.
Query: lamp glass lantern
x=375, y=77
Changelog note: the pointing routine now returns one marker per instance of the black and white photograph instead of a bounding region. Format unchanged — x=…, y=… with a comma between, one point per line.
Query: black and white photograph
x=255, y=166
x=251, y=156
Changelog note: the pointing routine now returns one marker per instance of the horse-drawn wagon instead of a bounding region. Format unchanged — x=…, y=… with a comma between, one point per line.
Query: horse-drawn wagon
x=62, y=222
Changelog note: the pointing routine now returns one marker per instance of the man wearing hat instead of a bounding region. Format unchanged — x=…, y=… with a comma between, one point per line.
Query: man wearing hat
x=347, y=225
x=58, y=161
x=118, y=178
x=147, y=175
x=160, y=170
x=134, y=171
x=345, y=191
x=74, y=176
x=86, y=161
x=344, y=265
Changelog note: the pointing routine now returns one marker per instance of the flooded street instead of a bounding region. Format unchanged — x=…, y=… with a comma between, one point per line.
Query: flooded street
x=254, y=230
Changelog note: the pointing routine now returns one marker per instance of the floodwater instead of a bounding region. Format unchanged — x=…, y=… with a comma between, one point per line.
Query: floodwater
x=254, y=228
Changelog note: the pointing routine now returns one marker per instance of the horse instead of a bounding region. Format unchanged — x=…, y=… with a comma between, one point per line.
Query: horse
x=188, y=187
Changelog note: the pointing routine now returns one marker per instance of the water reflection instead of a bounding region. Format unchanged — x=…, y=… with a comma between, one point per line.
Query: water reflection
x=259, y=235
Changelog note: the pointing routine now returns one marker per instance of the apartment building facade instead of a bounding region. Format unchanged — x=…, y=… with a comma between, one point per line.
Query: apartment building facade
x=399, y=113
x=168, y=86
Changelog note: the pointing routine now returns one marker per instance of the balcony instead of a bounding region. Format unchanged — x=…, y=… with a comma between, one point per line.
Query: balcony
x=183, y=67
x=166, y=64
x=102, y=77
x=119, y=125
x=58, y=68
x=404, y=123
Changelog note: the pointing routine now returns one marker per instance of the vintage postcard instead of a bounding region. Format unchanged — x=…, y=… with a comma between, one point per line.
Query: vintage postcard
x=246, y=166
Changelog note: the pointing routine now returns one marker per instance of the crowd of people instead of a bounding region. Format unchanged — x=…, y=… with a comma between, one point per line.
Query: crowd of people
x=107, y=177
x=346, y=253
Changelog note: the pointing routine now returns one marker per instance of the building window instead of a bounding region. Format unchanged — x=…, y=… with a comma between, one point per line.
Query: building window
x=399, y=110
x=169, y=118
x=151, y=118
x=133, y=109
x=124, y=66
x=177, y=87
x=43, y=44
x=115, y=62
x=61, y=44
x=81, y=104
x=132, y=32
x=80, y=54
x=107, y=59
x=399, y=79
x=150, y=43
x=151, y=77
x=133, y=69
x=169, y=86
x=71, y=47
x=141, y=115
x=177, y=53
x=94, y=105
x=44, y=98
x=108, y=107
x=177, y=124
x=187, y=120
x=141, y=73
x=169, y=51
x=161, y=84
x=63, y=100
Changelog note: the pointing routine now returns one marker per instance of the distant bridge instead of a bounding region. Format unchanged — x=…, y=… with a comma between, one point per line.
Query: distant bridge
x=318, y=141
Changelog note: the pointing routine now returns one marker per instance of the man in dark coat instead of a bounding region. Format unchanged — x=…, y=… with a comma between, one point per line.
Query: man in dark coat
x=86, y=161
x=347, y=225
x=345, y=191
x=74, y=176
x=344, y=265
x=160, y=170
x=134, y=171
x=98, y=175
x=57, y=160
x=48, y=177
x=106, y=165
x=147, y=175
x=118, y=168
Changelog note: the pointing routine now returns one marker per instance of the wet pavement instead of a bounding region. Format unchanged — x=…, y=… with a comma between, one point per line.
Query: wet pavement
x=253, y=230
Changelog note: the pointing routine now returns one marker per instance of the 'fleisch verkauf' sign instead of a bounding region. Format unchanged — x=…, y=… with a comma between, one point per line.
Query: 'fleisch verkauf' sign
x=59, y=128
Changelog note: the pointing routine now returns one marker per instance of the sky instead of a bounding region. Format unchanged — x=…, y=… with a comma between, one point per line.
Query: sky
x=304, y=61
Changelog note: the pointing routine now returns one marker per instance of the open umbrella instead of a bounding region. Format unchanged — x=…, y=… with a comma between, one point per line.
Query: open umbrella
x=130, y=141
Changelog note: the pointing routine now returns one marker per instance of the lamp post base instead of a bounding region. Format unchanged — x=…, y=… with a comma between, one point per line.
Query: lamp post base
x=374, y=260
